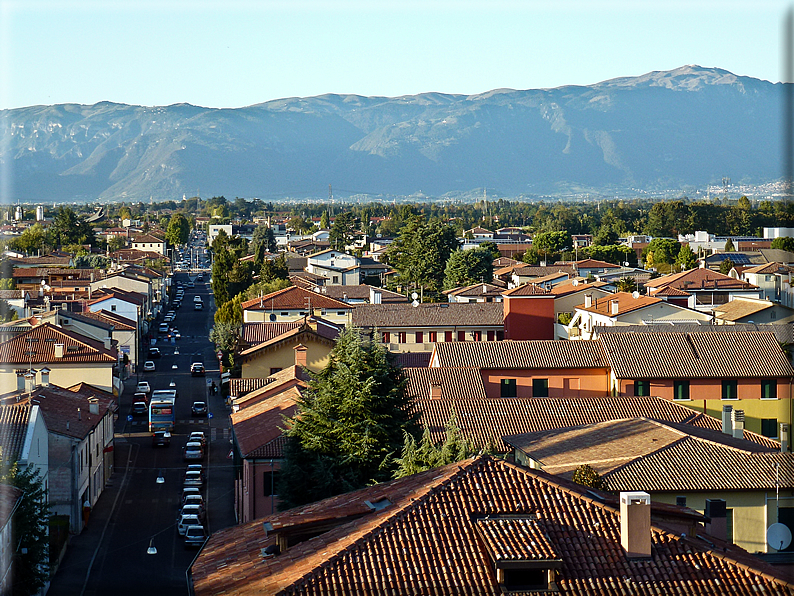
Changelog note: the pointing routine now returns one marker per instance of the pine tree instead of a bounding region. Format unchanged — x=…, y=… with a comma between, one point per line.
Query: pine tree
x=349, y=425
x=429, y=455
x=587, y=476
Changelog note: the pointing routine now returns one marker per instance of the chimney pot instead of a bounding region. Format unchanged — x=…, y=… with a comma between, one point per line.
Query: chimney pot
x=59, y=350
x=727, y=425
x=635, y=524
x=588, y=300
x=79, y=414
x=614, y=306
x=737, y=418
x=784, y=437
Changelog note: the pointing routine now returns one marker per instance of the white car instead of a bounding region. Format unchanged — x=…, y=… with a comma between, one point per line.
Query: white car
x=143, y=387
x=186, y=520
x=148, y=366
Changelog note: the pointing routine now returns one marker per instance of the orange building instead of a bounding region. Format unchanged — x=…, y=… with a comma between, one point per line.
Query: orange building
x=528, y=313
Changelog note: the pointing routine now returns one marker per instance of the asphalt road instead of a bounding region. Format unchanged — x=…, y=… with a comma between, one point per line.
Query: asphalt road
x=139, y=512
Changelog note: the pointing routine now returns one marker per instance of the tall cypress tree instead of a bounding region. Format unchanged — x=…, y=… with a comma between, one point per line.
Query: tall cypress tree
x=350, y=424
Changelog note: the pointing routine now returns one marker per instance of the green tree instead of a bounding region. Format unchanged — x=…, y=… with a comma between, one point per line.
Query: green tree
x=273, y=269
x=492, y=248
x=178, y=230
x=116, y=243
x=300, y=224
x=729, y=246
x=263, y=240
x=68, y=228
x=726, y=266
x=551, y=243
x=263, y=288
x=227, y=330
x=426, y=455
x=31, y=240
x=350, y=422
x=29, y=529
x=663, y=251
x=420, y=252
x=585, y=475
x=467, y=267
x=783, y=243
x=668, y=218
x=344, y=230
x=325, y=221
x=626, y=284
x=686, y=258
x=8, y=283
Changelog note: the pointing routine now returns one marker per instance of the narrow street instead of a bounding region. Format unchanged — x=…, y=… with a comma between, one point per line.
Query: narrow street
x=110, y=556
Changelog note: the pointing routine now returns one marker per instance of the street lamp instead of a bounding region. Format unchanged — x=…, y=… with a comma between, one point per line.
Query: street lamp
x=152, y=550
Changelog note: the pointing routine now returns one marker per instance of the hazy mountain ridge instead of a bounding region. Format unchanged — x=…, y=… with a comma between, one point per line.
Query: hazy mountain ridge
x=688, y=126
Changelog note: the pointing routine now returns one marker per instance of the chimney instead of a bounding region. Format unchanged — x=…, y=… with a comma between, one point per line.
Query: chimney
x=614, y=307
x=45, y=377
x=435, y=389
x=716, y=511
x=59, y=350
x=79, y=414
x=727, y=424
x=784, y=437
x=108, y=343
x=30, y=381
x=635, y=524
x=588, y=300
x=375, y=296
x=300, y=355
x=20, y=381
x=93, y=407
x=737, y=417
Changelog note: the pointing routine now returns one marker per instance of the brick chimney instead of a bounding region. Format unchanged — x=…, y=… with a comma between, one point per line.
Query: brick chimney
x=737, y=418
x=300, y=355
x=717, y=512
x=435, y=389
x=635, y=524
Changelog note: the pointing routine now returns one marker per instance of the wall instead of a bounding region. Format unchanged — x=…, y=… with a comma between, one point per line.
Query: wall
x=592, y=382
x=62, y=476
x=529, y=318
x=283, y=356
x=289, y=315
x=63, y=375
x=253, y=503
x=426, y=345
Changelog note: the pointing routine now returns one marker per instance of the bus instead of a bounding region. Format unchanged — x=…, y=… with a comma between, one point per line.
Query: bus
x=157, y=393
x=162, y=414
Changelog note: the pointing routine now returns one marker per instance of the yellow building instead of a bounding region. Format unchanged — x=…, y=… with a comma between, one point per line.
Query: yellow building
x=307, y=344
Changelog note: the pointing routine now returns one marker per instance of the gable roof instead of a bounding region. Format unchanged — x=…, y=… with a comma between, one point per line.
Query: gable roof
x=360, y=292
x=429, y=539
x=528, y=289
x=238, y=387
x=768, y=268
x=626, y=303
x=454, y=383
x=572, y=286
x=293, y=298
x=700, y=280
x=148, y=238
x=739, y=308
x=676, y=355
x=323, y=334
x=13, y=429
x=257, y=428
x=536, y=353
x=37, y=346
x=257, y=333
x=595, y=264
x=443, y=314
x=475, y=290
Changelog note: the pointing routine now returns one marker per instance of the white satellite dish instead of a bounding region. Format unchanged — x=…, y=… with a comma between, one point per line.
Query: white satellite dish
x=575, y=283
x=635, y=294
x=414, y=295
x=778, y=536
x=317, y=289
x=415, y=303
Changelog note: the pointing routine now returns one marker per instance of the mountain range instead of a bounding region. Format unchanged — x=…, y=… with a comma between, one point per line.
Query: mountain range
x=687, y=127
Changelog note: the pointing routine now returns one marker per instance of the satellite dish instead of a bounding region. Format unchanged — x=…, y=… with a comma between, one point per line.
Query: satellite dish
x=778, y=536
x=414, y=303
x=575, y=283
x=317, y=289
x=414, y=295
x=635, y=294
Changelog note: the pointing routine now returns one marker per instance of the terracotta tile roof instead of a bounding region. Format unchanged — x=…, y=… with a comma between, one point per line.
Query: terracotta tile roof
x=593, y=264
x=540, y=353
x=257, y=428
x=238, y=387
x=257, y=333
x=700, y=280
x=119, y=323
x=46, y=272
x=486, y=421
x=77, y=348
x=10, y=497
x=292, y=376
x=149, y=239
x=500, y=262
x=453, y=383
x=476, y=290
x=60, y=406
x=572, y=286
x=412, y=359
x=528, y=289
x=536, y=271
x=675, y=355
x=670, y=291
x=768, y=268
x=361, y=292
x=135, y=298
x=324, y=334
x=51, y=260
x=626, y=303
x=738, y=309
x=293, y=298
x=12, y=294
x=96, y=321
x=444, y=314
x=13, y=428
x=433, y=537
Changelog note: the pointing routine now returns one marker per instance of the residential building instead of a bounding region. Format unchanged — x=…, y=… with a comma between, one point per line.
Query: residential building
x=133, y=306
x=102, y=324
x=295, y=303
x=338, y=268
x=570, y=294
x=10, y=501
x=23, y=438
x=772, y=279
x=482, y=292
x=622, y=308
x=481, y=526
x=17, y=300
x=752, y=310
x=701, y=465
x=361, y=294
x=705, y=288
x=62, y=357
x=408, y=328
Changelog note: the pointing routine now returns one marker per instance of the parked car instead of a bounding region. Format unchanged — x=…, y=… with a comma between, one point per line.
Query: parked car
x=143, y=387
x=190, y=284
x=199, y=408
x=193, y=499
x=148, y=366
x=193, y=451
x=198, y=437
x=163, y=328
x=154, y=353
x=198, y=306
x=194, y=479
x=161, y=438
x=196, y=509
x=197, y=369
x=195, y=536
x=139, y=408
x=188, y=519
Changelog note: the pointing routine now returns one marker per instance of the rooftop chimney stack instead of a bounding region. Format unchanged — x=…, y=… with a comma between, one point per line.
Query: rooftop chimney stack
x=375, y=296
x=784, y=437
x=108, y=343
x=635, y=524
x=727, y=424
x=435, y=389
x=301, y=355
x=59, y=350
x=717, y=512
x=588, y=300
x=93, y=407
x=30, y=382
x=614, y=307
x=79, y=414
x=737, y=417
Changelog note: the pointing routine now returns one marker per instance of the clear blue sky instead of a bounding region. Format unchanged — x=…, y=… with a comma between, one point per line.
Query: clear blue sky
x=231, y=53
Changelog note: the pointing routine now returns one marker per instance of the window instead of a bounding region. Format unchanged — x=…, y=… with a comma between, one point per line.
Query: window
x=769, y=427
x=335, y=279
x=420, y=337
x=340, y=313
x=681, y=390
x=402, y=337
x=491, y=335
x=433, y=337
x=525, y=580
x=730, y=389
x=500, y=335
x=768, y=388
x=461, y=336
x=448, y=336
x=113, y=307
x=642, y=388
x=476, y=335
x=270, y=482
x=507, y=388
x=386, y=337
x=540, y=387
x=274, y=369
x=729, y=525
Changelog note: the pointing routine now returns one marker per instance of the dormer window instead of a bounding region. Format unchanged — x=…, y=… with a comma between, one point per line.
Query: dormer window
x=520, y=552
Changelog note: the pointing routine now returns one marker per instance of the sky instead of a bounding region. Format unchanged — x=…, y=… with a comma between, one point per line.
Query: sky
x=234, y=53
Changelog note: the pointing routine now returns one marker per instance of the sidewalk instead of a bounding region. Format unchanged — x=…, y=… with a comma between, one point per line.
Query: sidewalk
x=70, y=579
